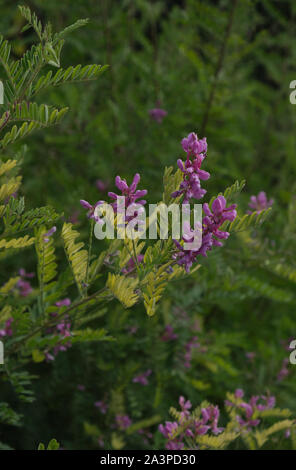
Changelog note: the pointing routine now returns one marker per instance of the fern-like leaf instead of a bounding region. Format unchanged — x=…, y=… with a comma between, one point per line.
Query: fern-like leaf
x=123, y=288
x=76, y=254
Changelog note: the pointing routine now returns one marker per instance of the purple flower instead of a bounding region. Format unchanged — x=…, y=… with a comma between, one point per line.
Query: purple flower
x=102, y=185
x=269, y=403
x=24, y=287
x=157, y=114
x=13, y=195
x=190, y=425
x=174, y=445
x=211, y=235
x=184, y=256
x=211, y=416
x=142, y=378
x=168, y=334
x=61, y=303
x=169, y=429
x=62, y=329
x=91, y=209
x=61, y=348
x=48, y=356
x=146, y=435
x=23, y=273
x=130, y=266
x=74, y=217
x=239, y=393
x=185, y=407
x=287, y=433
x=193, y=343
x=7, y=330
x=250, y=408
x=194, y=146
x=48, y=234
x=131, y=195
x=260, y=202
x=250, y=355
x=286, y=343
x=284, y=370
x=101, y=442
x=192, y=174
x=190, y=188
x=123, y=421
x=81, y=387
x=102, y=406
x=219, y=214
x=132, y=329
x=64, y=302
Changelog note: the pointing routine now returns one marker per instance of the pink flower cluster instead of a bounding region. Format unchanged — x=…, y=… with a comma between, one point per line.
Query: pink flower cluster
x=91, y=209
x=211, y=233
x=47, y=235
x=284, y=372
x=102, y=406
x=214, y=216
x=168, y=334
x=62, y=330
x=130, y=265
x=157, y=114
x=250, y=408
x=122, y=422
x=188, y=426
x=7, y=330
x=131, y=194
x=101, y=185
x=142, y=378
x=193, y=343
x=24, y=286
x=259, y=203
x=192, y=174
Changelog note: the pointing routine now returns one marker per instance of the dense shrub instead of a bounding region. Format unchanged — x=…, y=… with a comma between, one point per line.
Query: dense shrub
x=105, y=336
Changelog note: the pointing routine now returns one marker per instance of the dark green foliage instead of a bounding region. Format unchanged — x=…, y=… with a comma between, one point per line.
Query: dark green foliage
x=221, y=69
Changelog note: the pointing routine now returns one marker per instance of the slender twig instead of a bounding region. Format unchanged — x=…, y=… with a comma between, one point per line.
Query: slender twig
x=135, y=255
x=6, y=120
x=53, y=321
x=218, y=68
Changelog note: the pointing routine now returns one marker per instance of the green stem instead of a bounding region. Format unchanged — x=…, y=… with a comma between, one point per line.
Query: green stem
x=54, y=321
x=218, y=68
x=135, y=253
x=92, y=223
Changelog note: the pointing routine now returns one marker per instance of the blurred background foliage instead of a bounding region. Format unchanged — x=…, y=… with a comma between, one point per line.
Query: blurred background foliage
x=222, y=69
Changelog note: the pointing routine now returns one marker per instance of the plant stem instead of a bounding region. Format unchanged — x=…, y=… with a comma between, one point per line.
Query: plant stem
x=54, y=320
x=218, y=68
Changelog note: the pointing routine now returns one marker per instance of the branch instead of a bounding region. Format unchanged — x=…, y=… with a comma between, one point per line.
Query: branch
x=218, y=68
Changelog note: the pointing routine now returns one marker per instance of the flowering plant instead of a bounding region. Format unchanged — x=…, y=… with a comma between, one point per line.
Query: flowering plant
x=76, y=278
x=199, y=429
